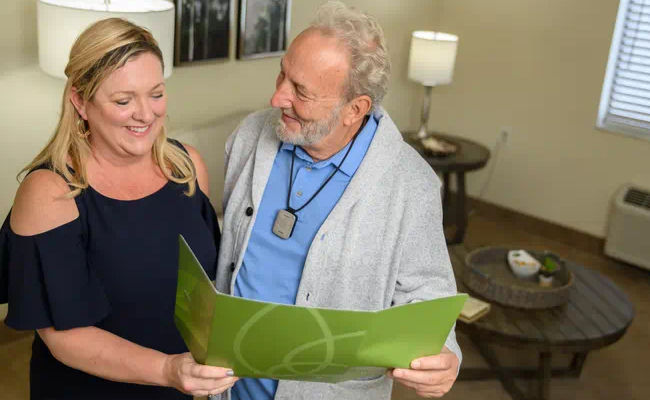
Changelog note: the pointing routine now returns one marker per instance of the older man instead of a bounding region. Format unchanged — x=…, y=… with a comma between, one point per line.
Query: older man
x=326, y=206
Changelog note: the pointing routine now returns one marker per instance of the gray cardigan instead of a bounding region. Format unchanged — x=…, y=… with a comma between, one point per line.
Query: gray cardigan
x=382, y=244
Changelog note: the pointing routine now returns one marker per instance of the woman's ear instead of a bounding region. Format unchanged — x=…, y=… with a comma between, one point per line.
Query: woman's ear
x=78, y=102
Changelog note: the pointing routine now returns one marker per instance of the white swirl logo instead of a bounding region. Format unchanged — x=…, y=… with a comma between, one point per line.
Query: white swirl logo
x=288, y=364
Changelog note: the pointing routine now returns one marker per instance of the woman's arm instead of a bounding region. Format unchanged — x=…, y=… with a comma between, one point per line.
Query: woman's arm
x=41, y=205
x=201, y=170
x=101, y=353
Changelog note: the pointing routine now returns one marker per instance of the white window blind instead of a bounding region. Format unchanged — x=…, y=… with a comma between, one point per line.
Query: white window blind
x=625, y=100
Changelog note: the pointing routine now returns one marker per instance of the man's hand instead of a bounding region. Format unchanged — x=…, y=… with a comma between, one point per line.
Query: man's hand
x=430, y=376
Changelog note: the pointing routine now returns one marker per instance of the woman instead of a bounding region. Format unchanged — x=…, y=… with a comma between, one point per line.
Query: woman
x=90, y=246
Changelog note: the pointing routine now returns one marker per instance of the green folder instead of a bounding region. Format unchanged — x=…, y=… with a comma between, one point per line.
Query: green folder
x=269, y=340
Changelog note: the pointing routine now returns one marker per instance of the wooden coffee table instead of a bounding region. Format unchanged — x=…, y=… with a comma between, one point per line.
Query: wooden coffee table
x=597, y=314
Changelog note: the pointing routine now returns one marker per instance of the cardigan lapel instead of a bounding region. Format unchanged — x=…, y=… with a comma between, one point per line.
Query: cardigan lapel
x=265, y=153
x=381, y=154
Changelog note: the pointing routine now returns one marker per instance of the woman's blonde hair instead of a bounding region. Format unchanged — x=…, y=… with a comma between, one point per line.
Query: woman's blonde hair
x=101, y=49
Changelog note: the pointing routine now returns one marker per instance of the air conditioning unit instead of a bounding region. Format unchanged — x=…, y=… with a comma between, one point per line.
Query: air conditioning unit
x=628, y=234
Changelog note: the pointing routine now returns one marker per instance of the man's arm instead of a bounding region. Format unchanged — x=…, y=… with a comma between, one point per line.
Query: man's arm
x=426, y=273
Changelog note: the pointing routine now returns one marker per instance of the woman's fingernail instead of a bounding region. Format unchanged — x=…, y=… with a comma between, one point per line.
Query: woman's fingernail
x=230, y=373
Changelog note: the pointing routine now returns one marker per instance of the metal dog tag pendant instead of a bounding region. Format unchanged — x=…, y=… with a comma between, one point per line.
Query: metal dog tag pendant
x=284, y=223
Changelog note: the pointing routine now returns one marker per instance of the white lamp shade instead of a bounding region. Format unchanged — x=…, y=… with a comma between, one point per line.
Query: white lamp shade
x=432, y=57
x=60, y=22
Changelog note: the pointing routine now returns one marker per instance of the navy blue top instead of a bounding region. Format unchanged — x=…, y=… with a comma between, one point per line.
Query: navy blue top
x=114, y=267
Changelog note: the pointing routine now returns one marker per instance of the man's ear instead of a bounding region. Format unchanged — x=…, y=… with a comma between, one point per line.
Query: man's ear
x=357, y=109
x=78, y=102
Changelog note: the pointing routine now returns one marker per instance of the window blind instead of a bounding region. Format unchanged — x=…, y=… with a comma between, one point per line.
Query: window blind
x=625, y=100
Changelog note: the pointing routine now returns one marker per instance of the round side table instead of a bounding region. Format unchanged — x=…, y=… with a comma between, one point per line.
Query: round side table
x=470, y=156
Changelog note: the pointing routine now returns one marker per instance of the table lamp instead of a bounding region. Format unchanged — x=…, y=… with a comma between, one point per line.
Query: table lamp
x=60, y=22
x=431, y=63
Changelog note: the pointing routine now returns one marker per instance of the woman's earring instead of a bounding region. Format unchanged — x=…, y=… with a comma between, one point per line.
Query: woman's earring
x=81, y=129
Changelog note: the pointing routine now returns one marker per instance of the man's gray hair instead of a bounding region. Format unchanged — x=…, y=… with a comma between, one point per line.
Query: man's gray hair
x=364, y=40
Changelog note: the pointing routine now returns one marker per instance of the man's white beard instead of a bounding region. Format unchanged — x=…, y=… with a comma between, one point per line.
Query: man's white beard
x=310, y=133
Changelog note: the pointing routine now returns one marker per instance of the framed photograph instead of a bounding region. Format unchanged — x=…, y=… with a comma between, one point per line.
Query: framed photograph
x=202, y=30
x=263, y=28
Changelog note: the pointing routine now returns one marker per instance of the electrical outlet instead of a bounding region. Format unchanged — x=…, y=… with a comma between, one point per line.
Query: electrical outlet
x=505, y=132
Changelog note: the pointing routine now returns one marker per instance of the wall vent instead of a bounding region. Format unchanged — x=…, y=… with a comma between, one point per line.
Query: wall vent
x=637, y=197
x=628, y=230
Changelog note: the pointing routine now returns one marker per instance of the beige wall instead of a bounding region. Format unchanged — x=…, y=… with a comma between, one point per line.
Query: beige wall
x=538, y=67
x=213, y=93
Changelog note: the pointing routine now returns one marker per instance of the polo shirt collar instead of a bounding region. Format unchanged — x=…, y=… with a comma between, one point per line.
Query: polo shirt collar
x=353, y=160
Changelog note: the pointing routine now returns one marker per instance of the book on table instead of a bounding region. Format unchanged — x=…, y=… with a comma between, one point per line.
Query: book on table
x=473, y=309
x=268, y=340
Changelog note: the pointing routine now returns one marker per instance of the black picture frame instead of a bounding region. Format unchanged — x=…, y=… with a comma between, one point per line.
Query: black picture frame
x=263, y=28
x=202, y=30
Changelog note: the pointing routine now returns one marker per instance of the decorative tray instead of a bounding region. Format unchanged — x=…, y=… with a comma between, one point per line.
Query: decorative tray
x=488, y=274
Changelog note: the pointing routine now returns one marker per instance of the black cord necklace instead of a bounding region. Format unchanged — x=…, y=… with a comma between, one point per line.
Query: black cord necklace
x=285, y=220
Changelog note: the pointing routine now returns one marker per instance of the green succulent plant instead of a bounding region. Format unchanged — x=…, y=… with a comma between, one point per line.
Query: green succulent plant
x=549, y=266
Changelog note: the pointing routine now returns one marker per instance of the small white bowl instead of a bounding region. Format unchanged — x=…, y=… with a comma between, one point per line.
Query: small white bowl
x=522, y=263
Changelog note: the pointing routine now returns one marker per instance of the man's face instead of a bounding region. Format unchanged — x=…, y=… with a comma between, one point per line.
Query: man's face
x=309, y=89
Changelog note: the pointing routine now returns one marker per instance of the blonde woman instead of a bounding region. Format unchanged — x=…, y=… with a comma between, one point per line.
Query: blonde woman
x=90, y=246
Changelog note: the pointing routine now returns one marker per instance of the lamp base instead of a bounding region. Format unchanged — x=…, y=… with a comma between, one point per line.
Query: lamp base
x=422, y=133
x=432, y=145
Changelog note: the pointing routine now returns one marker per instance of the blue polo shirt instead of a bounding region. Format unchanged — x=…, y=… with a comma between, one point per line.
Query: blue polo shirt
x=272, y=266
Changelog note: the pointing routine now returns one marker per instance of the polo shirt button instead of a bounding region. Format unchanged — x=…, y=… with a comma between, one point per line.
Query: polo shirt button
x=249, y=211
x=232, y=267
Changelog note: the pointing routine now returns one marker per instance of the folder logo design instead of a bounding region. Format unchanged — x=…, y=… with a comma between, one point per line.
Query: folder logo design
x=309, y=359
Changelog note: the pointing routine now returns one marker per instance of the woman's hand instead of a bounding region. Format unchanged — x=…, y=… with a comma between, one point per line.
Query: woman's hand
x=184, y=374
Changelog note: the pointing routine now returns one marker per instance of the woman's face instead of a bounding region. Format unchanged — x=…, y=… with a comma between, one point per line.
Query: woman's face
x=127, y=112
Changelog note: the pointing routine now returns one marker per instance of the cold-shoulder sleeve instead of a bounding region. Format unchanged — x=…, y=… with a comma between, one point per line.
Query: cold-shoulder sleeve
x=4, y=263
x=211, y=221
x=47, y=281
